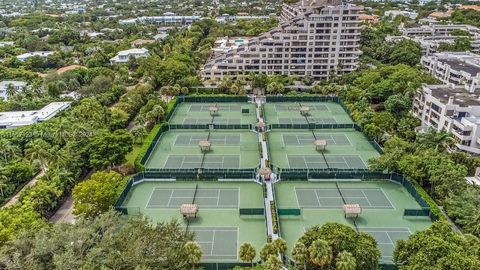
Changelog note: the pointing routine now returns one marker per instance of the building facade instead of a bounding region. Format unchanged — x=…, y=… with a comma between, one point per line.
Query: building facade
x=452, y=109
x=16, y=86
x=458, y=68
x=314, y=38
x=123, y=57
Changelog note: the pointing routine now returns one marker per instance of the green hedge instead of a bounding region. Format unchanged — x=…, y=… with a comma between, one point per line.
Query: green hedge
x=146, y=143
x=433, y=206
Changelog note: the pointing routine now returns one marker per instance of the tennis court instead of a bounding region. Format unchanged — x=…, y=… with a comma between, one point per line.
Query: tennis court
x=369, y=198
x=307, y=120
x=204, y=197
x=179, y=149
x=319, y=112
x=219, y=228
x=307, y=139
x=346, y=149
x=383, y=203
x=387, y=239
x=229, y=113
x=216, y=139
x=218, y=243
x=328, y=161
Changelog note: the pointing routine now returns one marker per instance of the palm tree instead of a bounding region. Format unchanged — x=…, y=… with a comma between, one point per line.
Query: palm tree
x=300, y=255
x=267, y=250
x=345, y=261
x=247, y=253
x=194, y=253
x=473, y=223
x=441, y=139
x=38, y=150
x=3, y=184
x=320, y=253
x=273, y=263
x=8, y=151
x=138, y=133
x=11, y=90
x=281, y=245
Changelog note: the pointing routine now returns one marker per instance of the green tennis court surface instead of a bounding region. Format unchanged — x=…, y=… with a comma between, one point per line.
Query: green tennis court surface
x=319, y=112
x=217, y=243
x=229, y=113
x=231, y=149
x=373, y=198
x=294, y=148
x=204, y=197
x=382, y=203
x=218, y=227
x=319, y=162
x=387, y=239
x=307, y=139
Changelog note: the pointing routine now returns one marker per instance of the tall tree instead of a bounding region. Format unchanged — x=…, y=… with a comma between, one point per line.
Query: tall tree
x=247, y=253
x=320, y=253
x=194, y=253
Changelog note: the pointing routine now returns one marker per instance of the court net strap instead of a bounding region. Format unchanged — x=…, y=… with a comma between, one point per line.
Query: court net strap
x=195, y=194
x=340, y=192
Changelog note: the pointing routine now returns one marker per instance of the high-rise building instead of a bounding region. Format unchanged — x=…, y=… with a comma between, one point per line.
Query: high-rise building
x=318, y=38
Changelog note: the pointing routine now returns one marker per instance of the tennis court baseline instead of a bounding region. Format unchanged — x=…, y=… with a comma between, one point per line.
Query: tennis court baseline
x=318, y=162
x=285, y=120
x=217, y=121
x=387, y=239
x=195, y=161
x=221, y=107
x=291, y=107
x=204, y=197
x=369, y=198
x=307, y=139
x=215, y=139
x=218, y=243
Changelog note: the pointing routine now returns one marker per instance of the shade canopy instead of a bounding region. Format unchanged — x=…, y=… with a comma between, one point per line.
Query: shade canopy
x=205, y=145
x=304, y=110
x=320, y=145
x=352, y=210
x=213, y=110
x=189, y=210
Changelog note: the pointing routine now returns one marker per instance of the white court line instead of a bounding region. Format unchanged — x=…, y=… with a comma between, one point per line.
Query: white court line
x=169, y=199
x=213, y=243
x=385, y=194
x=393, y=243
x=149, y=198
x=218, y=197
x=318, y=199
x=366, y=197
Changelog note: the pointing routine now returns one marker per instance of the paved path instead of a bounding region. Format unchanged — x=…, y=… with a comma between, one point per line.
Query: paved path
x=32, y=182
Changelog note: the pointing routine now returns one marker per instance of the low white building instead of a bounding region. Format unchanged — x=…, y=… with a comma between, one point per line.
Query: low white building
x=6, y=43
x=25, y=56
x=124, y=56
x=394, y=13
x=452, y=109
x=9, y=120
x=458, y=68
x=17, y=85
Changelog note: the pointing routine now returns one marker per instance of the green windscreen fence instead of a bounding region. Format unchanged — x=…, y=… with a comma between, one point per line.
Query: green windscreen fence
x=425, y=212
x=251, y=211
x=207, y=99
x=289, y=212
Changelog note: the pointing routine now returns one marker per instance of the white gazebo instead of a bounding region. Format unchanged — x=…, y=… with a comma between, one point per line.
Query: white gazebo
x=352, y=210
x=304, y=110
x=189, y=210
x=205, y=145
x=265, y=172
x=213, y=110
x=320, y=145
x=260, y=126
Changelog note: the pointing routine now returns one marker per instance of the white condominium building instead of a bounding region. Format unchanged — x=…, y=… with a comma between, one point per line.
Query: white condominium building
x=123, y=57
x=314, y=37
x=452, y=109
x=458, y=68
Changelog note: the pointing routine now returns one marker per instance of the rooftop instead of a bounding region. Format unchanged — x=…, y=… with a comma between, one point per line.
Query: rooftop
x=23, y=118
x=462, y=97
